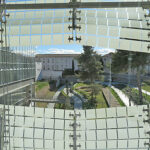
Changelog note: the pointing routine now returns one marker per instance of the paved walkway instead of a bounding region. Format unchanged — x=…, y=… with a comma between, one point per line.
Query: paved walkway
x=55, y=97
x=122, y=96
x=111, y=100
x=77, y=100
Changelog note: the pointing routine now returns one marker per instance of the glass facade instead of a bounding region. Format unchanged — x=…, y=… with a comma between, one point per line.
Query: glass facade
x=18, y=97
x=96, y=129
x=16, y=65
x=86, y=128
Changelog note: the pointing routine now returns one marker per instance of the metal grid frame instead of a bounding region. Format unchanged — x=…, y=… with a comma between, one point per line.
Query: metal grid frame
x=50, y=27
x=110, y=128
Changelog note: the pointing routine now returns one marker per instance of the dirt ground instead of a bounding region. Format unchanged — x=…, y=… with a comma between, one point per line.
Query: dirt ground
x=44, y=93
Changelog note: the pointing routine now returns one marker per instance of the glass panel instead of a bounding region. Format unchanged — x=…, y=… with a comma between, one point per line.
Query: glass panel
x=101, y=124
x=90, y=124
x=90, y=114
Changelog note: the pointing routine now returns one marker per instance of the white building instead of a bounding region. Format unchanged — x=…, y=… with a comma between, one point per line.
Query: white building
x=54, y=64
x=38, y=66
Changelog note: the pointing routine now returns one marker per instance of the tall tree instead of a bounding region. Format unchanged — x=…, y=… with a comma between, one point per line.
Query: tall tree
x=139, y=60
x=90, y=64
x=73, y=66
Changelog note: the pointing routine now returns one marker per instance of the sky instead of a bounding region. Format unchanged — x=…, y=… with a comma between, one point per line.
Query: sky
x=68, y=49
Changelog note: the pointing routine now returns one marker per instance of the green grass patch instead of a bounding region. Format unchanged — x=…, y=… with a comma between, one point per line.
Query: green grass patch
x=145, y=96
x=146, y=87
x=135, y=95
x=117, y=97
x=77, y=85
x=63, y=106
x=99, y=102
x=39, y=85
x=59, y=106
x=43, y=92
x=41, y=105
x=64, y=94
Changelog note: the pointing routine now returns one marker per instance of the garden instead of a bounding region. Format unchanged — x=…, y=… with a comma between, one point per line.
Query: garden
x=93, y=94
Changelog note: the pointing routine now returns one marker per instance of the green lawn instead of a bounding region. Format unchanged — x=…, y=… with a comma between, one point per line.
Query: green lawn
x=59, y=106
x=147, y=97
x=43, y=92
x=146, y=87
x=84, y=89
x=135, y=95
x=64, y=94
x=80, y=85
x=41, y=105
x=117, y=97
x=63, y=106
x=39, y=85
x=101, y=103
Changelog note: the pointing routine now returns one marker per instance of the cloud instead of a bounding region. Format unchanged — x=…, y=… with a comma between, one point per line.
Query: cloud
x=101, y=51
x=58, y=51
x=26, y=52
x=105, y=51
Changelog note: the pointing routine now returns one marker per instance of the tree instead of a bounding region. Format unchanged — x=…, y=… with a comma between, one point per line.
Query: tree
x=95, y=90
x=139, y=60
x=67, y=87
x=73, y=66
x=90, y=64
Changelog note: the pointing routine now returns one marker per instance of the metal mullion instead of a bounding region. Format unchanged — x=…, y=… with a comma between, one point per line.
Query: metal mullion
x=96, y=127
x=64, y=128
x=106, y=130
x=127, y=128
x=5, y=96
x=8, y=72
x=34, y=130
x=138, y=134
x=85, y=131
x=143, y=4
x=54, y=130
x=24, y=129
x=117, y=127
x=44, y=130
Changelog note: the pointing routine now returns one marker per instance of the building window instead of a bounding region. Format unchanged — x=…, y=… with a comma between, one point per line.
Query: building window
x=53, y=67
x=43, y=67
x=52, y=60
